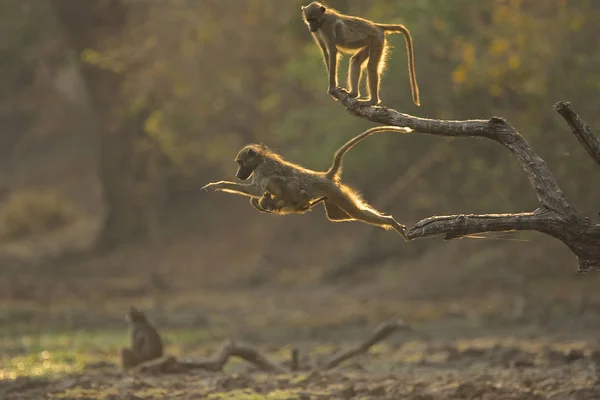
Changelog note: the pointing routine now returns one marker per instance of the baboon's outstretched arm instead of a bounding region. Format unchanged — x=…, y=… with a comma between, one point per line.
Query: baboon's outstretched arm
x=250, y=190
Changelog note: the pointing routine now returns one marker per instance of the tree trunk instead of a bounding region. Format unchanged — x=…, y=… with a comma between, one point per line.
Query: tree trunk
x=87, y=24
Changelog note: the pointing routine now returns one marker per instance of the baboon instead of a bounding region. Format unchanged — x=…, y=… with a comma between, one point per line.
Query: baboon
x=282, y=193
x=146, y=343
x=364, y=39
x=342, y=203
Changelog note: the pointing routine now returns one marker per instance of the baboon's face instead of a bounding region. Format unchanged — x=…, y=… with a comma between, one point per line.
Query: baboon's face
x=135, y=316
x=313, y=15
x=247, y=159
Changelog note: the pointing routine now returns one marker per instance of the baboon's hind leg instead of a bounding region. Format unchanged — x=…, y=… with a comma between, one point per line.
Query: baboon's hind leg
x=336, y=214
x=128, y=359
x=374, y=68
x=317, y=201
x=373, y=217
x=357, y=62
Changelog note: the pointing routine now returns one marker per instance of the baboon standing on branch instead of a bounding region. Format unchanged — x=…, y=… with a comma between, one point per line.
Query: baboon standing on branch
x=364, y=39
x=342, y=203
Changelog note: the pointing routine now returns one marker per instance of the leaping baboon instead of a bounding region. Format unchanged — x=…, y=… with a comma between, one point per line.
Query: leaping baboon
x=342, y=203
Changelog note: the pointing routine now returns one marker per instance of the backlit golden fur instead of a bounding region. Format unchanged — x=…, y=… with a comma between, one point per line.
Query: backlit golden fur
x=342, y=203
x=334, y=31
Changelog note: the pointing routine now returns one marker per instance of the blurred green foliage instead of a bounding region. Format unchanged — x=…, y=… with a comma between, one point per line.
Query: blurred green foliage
x=34, y=212
x=54, y=353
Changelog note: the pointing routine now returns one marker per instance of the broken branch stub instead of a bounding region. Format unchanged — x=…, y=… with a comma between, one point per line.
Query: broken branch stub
x=381, y=333
x=581, y=130
x=556, y=215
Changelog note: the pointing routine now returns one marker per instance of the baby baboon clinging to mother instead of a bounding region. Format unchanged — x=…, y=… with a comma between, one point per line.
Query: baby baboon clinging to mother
x=146, y=343
x=364, y=39
x=281, y=194
x=342, y=203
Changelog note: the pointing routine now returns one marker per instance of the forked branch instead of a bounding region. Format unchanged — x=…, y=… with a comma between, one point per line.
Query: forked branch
x=556, y=216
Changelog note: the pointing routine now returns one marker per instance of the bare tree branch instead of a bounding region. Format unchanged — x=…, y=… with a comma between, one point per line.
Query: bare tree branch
x=556, y=216
x=229, y=348
x=381, y=333
x=256, y=357
x=455, y=226
x=581, y=130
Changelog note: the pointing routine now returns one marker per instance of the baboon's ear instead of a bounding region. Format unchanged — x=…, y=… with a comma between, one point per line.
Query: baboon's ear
x=251, y=153
x=323, y=9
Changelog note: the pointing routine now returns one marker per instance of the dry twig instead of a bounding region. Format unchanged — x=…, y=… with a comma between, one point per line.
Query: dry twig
x=382, y=332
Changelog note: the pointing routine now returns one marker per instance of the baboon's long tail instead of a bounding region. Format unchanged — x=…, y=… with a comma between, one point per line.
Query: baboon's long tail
x=335, y=170
x=397, y=28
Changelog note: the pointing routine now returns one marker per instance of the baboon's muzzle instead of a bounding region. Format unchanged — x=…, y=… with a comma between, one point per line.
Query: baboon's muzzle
x=243, y=173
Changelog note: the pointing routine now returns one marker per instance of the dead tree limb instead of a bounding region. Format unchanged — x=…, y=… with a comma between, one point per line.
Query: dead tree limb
x=581, y=130
x=257, y=358
x=555, y=216
x=381, y=333
x=229, y=348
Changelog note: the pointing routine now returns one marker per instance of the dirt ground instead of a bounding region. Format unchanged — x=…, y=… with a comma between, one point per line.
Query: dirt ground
x=485, y=324
x=478, y=369
x=454, y=350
